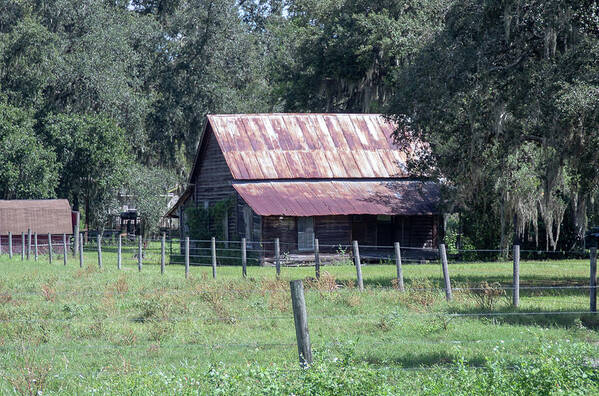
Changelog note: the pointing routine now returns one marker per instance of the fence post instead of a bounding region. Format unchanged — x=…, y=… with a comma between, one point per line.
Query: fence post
x=80, y=237
x=119, y=252
x=593, y=283
x=300, y=317
x=139, y=254
x=76, y=234
x=50, y=248
x=22, y=246
x=278, y=257
x=35, y=251
x=28, y=243
x=516, y=282
x=162, y=253
x=213, y=252
x=99, y=239
x=358, y=265
x=316, y=258
x=244, y=258
x=64, y=249
x=443, y=255
x=10, y=245
x=186, y=257
x=398, y=266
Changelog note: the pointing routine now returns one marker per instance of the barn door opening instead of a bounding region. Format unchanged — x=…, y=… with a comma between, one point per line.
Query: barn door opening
x=305, y=233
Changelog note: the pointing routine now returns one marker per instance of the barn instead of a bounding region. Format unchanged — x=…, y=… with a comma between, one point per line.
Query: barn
x=46, y=216
x=296, y=177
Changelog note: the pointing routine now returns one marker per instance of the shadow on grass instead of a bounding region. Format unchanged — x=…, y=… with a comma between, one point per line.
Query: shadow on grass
x=473, y=281
x=427, y=359
x=534, y=317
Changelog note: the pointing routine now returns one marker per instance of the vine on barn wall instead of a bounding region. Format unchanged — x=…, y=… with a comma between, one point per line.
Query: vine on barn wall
x=205, y=223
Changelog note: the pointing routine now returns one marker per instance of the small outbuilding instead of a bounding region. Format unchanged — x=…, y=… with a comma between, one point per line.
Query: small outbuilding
x=296, y=177
x=46, y=216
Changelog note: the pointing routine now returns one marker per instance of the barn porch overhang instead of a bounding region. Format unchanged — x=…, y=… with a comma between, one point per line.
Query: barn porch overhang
x=341, y=197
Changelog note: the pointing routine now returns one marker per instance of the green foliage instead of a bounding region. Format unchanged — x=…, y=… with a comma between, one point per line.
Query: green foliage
x=148, y=187
x=505, y=94
x=342, y=55
x=95, y=158
x=28, y=169
x=205, y=223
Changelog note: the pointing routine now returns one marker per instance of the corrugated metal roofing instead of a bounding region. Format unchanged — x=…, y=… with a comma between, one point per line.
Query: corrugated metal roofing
x=41, y=216
x=308, y=146
x=322, y=198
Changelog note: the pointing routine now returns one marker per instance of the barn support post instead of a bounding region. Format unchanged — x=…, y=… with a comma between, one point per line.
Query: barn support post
x=22, y=246
x=119, y=252
x=516, y=277
x=139, y=253
x=76, y=234
x=244, y=258
x=28, y=243
x=64, y=249
x=316, y=258
x=99, y=239
x=10, y=245
x=400, y=284
x=443, y=254
x=213, y=254
x=1, y=250
x=300, y=318
x=186, y=257
x=278, y=257
x=50, y=252
x=35, y=250
x=162, y=253
x=593, y=283
x=358, y=265
x=80, y=238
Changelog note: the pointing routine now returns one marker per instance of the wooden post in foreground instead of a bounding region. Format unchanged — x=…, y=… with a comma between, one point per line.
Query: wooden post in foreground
x=593, y=283
x=443, y=255
x=358, y=265
x=10, y=245
x=139, y=254
x=99, y=239
x=278, y=257
x=50, y=248
x=35, y=247
x=22, y=246
x=64, y=249
x=28, y=243
x=516, y=281
x=316, y=258
x=163, y=253
x=186, y=257
x=119, y=252
x=80, y=237
x=76, y=234
x=244, y=258
x=213, y=253
x=300, y=317
x=400, y=284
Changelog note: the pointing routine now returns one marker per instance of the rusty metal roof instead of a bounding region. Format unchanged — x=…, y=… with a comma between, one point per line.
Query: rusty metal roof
x=322, y=198
x=309, y=146
x=41, y=216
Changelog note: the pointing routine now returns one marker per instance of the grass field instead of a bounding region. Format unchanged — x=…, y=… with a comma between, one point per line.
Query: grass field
x=71, y=331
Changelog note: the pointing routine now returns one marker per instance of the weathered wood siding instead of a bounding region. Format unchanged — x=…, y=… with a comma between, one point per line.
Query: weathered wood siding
x=213, y=178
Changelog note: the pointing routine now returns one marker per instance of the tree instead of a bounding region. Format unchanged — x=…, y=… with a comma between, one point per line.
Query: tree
x=95, y=157
x=210, y=63
x=149, y=188
x=342, y=55
x=506, y=96
x=28, y=170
